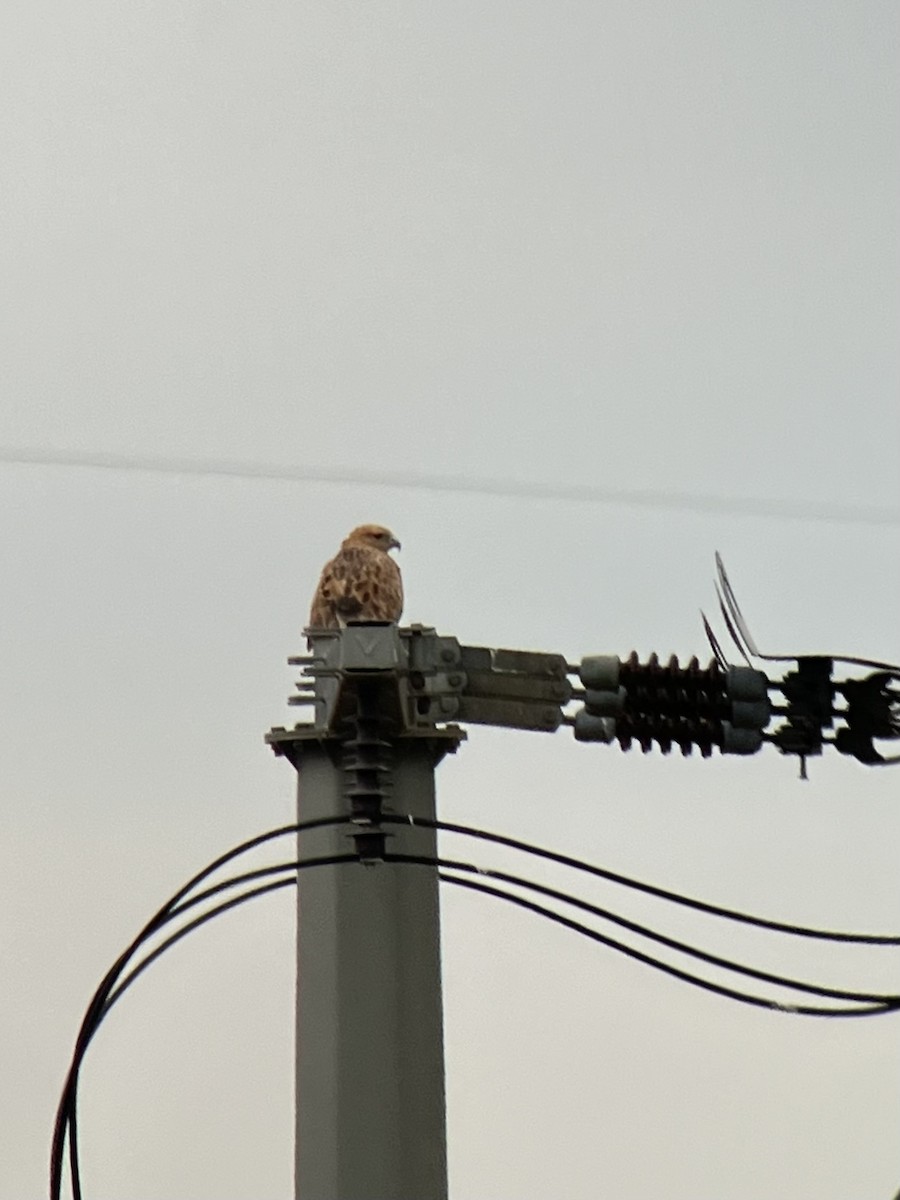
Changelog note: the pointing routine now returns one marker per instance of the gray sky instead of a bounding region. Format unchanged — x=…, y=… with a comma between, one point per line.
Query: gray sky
x=639, y=247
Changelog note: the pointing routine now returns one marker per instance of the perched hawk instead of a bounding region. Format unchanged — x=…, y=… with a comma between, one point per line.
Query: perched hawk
x=361, y=583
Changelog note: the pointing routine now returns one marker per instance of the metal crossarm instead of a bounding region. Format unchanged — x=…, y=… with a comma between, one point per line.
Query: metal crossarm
x=424, y=679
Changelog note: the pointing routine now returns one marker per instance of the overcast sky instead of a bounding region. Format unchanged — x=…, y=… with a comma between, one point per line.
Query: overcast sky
x=637, y=247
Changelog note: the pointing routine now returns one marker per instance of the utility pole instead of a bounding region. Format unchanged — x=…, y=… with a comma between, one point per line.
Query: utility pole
x=370, y=1066
x=370, y=1102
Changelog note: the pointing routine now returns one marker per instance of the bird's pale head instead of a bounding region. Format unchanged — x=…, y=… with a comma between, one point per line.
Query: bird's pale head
x=375, y=536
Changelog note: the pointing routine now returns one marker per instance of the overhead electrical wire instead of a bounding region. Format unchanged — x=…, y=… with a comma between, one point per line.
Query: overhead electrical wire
x=224, y=906
x=884, y=1004
x=113, y=986
x=882, y=1000
x=95, y=1007
x=887, y=1000
x=876, y=939
x=743, y=639
x=102, y=994
x=801, y=510
x=887, y=1003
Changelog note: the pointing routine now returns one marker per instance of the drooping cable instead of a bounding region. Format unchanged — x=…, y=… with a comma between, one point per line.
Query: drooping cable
x=868, y=1004
x=885, y=1005
x=595, y=910
x=882, y=999
x=68, y=1120
x=499, y=839
x=743, y=639
x=108, y=993
x=224, y=906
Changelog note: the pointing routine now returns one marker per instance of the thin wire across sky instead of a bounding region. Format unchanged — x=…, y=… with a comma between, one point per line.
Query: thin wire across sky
x=781, y=509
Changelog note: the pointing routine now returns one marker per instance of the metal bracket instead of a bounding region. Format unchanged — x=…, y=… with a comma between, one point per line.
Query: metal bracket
x=518, y=689
x=418, y=670
x=427, y=679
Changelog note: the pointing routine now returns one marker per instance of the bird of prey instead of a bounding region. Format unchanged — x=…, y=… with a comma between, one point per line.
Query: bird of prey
x=361, y=583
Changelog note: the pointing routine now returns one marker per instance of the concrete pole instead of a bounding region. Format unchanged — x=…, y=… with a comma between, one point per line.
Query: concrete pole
x=371, y=1121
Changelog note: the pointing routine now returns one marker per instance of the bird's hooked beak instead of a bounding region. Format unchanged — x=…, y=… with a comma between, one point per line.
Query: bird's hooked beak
x=394, y=544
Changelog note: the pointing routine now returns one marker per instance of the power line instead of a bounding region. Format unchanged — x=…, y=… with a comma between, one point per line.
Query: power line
x=499, y=876
x=742, y=506
x=661, y=939
x=67, y=1113
x=715, y=910
x=113, y=985
x=883, y=1004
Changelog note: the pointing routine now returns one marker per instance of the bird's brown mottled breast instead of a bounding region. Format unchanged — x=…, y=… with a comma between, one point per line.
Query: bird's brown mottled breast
x=361, y=583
